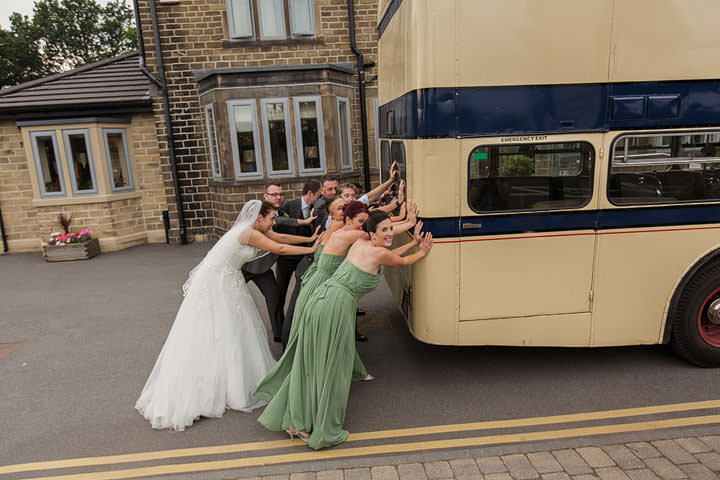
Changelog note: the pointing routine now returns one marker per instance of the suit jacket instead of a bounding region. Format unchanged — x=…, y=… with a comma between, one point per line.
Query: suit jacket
x=293, y=209
x=265, y=263
x=321, y=210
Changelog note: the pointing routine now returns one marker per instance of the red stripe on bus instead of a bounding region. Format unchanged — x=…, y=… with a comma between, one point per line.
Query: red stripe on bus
x=577, y=234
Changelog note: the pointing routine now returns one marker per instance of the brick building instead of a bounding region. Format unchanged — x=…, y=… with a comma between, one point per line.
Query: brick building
x=255, y=90
x=84, y=143
x=258, y=90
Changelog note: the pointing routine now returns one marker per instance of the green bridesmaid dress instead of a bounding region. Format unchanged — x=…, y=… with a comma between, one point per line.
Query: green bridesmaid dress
x=313, y=396
x=325, y=265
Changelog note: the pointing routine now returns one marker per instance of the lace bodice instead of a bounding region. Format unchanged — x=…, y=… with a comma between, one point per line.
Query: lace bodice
x=229, y=254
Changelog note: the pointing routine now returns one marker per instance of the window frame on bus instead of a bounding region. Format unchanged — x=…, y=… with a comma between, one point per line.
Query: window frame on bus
x=590, y=174
x=613, y=200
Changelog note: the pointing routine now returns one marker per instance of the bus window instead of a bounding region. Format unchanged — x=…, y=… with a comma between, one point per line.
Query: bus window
x=651, y=168
x=397, y=154
x=530, y=176
x=385, y=159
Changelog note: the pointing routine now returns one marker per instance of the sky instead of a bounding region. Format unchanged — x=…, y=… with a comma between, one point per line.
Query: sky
x=24, y=7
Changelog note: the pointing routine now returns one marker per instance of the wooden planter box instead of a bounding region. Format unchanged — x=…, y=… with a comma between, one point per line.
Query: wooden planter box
x=71, y=251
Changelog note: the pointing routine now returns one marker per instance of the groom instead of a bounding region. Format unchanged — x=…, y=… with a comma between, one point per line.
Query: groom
x=260, y=269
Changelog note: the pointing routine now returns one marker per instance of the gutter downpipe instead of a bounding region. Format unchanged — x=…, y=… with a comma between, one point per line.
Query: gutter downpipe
x=3, y=234
x=141, y=47
x=361, y=65
x=162, y=83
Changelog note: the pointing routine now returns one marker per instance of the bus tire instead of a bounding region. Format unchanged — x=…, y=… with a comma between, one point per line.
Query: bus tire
x=695, y=331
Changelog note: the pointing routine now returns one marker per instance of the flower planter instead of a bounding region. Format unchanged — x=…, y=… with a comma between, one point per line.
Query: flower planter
x=71, y=251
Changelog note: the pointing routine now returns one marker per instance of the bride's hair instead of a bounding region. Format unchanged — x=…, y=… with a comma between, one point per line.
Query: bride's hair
x=265, y=208
x=375, y=217
x=353, y=209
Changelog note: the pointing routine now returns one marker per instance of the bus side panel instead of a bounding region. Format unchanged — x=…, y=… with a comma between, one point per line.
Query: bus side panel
x=665, y=40
x=571, y=330
x=520, y=42
x=526, y=275
x=636, y=274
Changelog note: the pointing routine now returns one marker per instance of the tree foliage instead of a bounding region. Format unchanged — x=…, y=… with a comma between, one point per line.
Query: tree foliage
x=64, y=34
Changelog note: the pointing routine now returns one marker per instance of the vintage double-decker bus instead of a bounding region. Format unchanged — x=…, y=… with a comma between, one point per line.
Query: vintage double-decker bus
x=565, y=154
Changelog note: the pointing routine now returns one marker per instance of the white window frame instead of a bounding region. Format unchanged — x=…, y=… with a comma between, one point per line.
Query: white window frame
x=231, y=23
x=233, y=138
x=131, y=183
x=346, y=102
x=288, y=136
x=212, y=140
x=58, y=164
x=321, y=134
x=284, y=35
x=313, y=27
x=68, y=156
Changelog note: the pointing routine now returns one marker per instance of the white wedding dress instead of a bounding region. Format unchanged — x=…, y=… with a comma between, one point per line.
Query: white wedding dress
x=217, y=350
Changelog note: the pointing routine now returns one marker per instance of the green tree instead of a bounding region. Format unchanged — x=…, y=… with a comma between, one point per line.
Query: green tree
x=20, y=58
x=65, y=34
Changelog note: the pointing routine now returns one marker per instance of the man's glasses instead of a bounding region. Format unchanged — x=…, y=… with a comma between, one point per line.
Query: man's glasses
x=275, y=194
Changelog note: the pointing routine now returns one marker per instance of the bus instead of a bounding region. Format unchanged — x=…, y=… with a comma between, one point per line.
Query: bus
x=565, y=154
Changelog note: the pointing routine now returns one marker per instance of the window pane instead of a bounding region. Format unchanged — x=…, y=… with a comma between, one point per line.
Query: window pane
x=664, y=169
x=212, y=140
x=242, y=19
x=530, y=176
x=272, y=19
x=397, y=154
x=310, y=138
x=48, y=164
x=245, y=138
x=344, y=139
x=119, y=173
x=277, y=135
x=385, y=159
x=80, y=162
x=302, y=17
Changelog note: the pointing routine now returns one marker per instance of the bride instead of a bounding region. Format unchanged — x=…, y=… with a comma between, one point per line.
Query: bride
x=217, y=350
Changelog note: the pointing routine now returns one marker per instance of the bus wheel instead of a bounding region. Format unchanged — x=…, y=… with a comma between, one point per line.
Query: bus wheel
x=696, y=320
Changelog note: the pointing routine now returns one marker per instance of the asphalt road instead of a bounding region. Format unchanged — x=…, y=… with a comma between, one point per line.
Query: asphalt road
x=91, y=330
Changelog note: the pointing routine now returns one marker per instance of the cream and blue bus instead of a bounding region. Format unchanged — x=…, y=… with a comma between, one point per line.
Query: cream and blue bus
x=565, y=155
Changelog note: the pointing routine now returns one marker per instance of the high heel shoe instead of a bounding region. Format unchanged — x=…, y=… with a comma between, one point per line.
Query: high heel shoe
x=369, y=378
x=301, y=434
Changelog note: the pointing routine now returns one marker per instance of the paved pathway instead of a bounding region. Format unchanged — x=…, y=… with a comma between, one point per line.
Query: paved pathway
x=695, y=458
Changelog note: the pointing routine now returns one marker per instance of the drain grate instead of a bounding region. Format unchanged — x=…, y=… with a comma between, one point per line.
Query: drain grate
x=8, y=348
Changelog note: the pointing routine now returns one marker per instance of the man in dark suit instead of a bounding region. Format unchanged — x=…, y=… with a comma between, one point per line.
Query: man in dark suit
x=300, y=209
x=260, y=269
x=329, y=191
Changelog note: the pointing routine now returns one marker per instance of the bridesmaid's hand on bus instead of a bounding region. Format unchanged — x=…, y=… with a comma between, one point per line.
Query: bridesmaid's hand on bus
x=417, y=233
x=412, y=212
x=426, y=244
x=401, y=192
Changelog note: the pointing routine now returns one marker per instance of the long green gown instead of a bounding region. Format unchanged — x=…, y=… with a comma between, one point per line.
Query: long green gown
x=313, y=397
x=324, y=266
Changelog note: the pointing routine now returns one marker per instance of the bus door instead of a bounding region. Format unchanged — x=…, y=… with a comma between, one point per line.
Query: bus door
x=527, y=236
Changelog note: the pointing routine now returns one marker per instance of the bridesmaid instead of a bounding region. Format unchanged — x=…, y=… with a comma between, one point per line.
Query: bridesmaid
x=351, y=218
x=312, y=400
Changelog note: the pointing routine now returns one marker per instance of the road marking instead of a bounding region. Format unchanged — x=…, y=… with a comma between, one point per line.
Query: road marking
x=387, y=449
x=381, y=434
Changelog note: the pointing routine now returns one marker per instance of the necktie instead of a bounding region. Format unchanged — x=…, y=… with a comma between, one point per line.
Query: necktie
x=306, y=211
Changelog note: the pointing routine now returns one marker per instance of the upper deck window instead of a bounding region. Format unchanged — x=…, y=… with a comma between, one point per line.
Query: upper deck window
x=667, y=168
x=535, y=176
